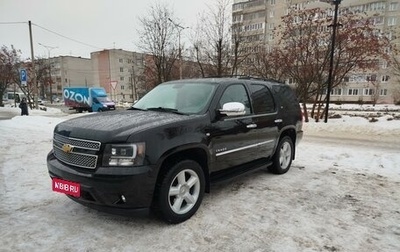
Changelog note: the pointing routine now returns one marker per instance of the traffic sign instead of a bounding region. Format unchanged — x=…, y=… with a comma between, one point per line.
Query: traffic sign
x=23, y=76
x=114, y=84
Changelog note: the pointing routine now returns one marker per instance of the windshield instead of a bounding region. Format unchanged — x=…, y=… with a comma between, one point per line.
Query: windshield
x=187, y=98
x=103, y=99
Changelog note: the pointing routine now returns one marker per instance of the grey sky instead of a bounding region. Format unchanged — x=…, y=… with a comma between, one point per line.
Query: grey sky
x=99, y=23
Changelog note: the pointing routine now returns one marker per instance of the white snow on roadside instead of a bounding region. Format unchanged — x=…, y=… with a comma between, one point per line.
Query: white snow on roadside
x=340, y=195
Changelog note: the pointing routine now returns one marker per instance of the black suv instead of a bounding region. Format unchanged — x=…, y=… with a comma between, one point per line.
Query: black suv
x=165, y=151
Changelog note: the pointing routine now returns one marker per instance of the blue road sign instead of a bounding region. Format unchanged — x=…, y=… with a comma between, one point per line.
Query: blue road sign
x=23, y=76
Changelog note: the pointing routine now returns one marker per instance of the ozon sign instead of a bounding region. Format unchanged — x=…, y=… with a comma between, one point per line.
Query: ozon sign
x=74, y=96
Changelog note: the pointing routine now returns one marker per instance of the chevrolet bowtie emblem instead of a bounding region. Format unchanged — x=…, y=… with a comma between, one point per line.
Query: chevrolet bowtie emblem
x=67, y=148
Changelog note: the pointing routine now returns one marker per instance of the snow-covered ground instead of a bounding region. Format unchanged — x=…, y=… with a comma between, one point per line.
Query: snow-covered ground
x=342, y=194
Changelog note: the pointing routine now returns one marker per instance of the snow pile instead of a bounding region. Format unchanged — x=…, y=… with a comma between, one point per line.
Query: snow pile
x=342, y=194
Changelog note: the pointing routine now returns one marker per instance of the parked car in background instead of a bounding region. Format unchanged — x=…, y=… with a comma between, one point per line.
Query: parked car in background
x=170, y=146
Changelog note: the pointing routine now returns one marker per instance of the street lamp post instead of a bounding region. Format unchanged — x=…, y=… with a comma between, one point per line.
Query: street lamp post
x=180, y=28
x=49, y=48
x=330, y=77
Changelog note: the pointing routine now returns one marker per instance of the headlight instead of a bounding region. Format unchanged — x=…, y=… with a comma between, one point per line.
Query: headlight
x=124, y=154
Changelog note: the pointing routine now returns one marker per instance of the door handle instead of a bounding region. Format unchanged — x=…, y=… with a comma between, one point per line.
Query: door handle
x=251, y=126
x=278, y=121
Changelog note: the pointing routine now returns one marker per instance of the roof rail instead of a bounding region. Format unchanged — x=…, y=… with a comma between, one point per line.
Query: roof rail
x=245, y=77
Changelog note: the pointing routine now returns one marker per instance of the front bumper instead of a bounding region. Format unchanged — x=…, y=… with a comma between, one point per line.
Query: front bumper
x=103, y=187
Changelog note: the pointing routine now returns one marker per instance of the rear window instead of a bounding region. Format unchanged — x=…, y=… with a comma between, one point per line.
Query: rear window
x=263, y=101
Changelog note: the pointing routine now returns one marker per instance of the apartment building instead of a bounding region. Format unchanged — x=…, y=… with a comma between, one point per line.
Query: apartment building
x=259, y=18
x=119, y=72
x=69, y=71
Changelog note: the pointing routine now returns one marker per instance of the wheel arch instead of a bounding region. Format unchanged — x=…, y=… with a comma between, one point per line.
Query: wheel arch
x=196, y=154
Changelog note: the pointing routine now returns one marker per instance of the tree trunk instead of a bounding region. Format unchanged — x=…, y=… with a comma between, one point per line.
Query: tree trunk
x=305, y=113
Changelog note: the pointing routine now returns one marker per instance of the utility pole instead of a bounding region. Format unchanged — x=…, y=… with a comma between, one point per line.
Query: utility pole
x=133, y=83
x=332, y=52
x=180, y=29
x=35, y=87
x=49, y=48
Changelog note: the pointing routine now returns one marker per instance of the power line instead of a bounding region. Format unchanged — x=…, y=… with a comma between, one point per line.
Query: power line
x=74, y=40
x=13, y=22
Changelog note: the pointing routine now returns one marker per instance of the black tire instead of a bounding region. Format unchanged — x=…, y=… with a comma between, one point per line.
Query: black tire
x=283, y=156
x=180, y=191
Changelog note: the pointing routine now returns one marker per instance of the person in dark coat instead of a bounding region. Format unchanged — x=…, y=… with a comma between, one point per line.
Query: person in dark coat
x=24, y=107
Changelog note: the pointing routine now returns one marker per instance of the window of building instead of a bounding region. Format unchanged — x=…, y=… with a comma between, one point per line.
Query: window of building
x=121, y=78
x=393, y=6
x=271, y=26
x=272, y=2
x=122, y=87
x=271, y=14
x=378, y=20
x=357, y=78
x=371, y=77
x=336, y=91
x=385, y=78
x=384, y=91
x=291, y=81
x=352, y=91
x=121, y=60
x=121, y=69
x=384, y=64
x=271, y=37
x=392, y=21
x=368, y=91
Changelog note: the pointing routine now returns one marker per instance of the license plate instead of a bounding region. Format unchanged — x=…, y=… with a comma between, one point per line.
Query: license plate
x=66, y=187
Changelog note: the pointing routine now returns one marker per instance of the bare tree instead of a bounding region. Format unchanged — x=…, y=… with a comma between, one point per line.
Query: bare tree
x=395, y=62
x=305, y=51
x=9, y=62
x=214, y=50
x=157, y=39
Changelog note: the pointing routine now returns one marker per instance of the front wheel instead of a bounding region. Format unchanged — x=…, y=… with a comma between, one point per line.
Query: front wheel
x=181, y=191
x=283, y=156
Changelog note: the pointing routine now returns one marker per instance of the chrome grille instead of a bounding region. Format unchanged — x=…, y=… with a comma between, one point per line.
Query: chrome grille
x=78, y=156
x=81, y=143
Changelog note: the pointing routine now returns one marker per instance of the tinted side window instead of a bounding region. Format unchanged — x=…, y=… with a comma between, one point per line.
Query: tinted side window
x=286, y=96
x=263, y=101
x=236, y=93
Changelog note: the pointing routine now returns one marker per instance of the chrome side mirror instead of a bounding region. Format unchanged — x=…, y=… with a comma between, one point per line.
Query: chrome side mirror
x=233, y=109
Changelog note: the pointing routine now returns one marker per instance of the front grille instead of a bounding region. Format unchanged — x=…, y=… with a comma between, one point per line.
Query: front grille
x=79, y=155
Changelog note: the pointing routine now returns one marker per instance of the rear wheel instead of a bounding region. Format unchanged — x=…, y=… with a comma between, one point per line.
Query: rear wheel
x=181, y=191
x=283, y=156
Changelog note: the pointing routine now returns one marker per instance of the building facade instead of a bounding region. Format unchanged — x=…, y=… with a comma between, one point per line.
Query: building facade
x=69, y=71
x=259, y=18
x=120, y=73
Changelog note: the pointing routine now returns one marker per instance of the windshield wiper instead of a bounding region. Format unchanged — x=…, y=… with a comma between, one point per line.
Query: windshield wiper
x=170, y=110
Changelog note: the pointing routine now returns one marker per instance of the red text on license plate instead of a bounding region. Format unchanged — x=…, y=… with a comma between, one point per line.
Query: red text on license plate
x=67, y=187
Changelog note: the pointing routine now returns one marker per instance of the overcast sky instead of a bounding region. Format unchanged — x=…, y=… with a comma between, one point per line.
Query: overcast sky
x=102, y=24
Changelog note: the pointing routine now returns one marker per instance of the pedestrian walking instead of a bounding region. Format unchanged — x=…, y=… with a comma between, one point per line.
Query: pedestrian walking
x=24, y=107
